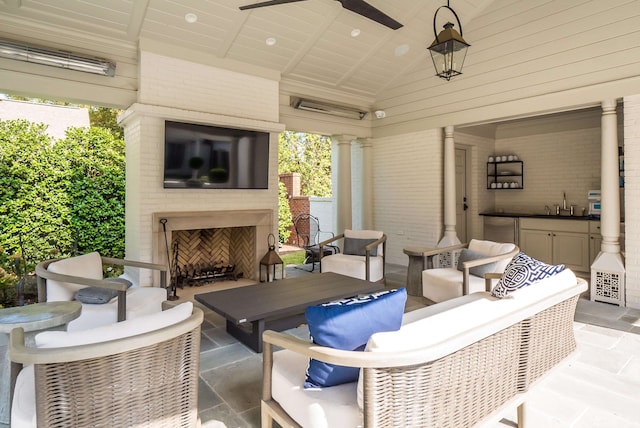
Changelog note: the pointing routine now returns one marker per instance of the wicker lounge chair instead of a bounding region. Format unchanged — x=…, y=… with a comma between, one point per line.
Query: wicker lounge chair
x=363, y=255
x=60, y=279
x=148, y=379
x=466, y=274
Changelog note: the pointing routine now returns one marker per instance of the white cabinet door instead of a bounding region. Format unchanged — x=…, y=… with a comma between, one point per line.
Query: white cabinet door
x=572, y=250
x=537, y=244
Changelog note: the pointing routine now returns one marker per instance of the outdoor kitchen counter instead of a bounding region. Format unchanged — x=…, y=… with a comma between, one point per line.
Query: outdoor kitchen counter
x=531, y=215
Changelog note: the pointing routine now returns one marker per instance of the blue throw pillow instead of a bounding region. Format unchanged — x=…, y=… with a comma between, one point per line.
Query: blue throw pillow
x=348, y=324
x=355, y=247
x=467, y=255
x=522, y=271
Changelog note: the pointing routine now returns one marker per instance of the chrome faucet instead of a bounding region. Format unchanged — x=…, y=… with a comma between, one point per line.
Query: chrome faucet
x=564, y=210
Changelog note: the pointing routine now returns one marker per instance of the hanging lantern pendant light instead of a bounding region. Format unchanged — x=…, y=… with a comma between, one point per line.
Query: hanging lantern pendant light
x=449, y=49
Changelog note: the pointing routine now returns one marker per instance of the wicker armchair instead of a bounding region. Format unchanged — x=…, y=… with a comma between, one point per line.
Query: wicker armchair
x=148, y=379
x=363, y=255
x=464, y=276
x=60, y=279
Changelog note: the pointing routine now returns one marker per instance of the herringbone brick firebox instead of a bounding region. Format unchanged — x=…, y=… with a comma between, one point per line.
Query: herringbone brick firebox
x=220, y=246
x=236, y=237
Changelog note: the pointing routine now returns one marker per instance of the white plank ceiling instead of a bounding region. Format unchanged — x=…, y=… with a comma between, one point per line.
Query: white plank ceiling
x=313, y=45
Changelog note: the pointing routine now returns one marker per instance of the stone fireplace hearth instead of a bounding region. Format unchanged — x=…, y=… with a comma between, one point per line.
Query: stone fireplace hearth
x=236, y=236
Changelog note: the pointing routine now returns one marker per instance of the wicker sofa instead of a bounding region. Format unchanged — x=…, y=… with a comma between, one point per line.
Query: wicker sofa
x=454, y=364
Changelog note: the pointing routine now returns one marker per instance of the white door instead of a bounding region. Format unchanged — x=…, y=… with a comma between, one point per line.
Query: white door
x=461, y=194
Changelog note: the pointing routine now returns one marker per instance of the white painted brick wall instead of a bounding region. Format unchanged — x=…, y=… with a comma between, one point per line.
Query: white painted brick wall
x=632, y=198
x=554, y=163
x=183, y=84
x=178, y=90
x=407, y=180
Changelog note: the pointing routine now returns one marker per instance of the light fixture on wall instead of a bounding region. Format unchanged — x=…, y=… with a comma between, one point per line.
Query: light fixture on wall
x=326, y=108
x=449, y=49
x=55, y=58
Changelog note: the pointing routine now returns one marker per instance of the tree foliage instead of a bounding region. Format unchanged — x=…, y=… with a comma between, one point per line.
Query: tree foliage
x=309, y=155
x=96, y=189
x=58, y=197
x=107, y=118
x=285, y=220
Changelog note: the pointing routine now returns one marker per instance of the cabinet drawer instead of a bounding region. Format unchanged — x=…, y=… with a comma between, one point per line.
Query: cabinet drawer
x=580, y=226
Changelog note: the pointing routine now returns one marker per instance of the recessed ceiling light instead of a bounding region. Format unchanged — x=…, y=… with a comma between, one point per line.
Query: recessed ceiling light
x=191, y=18
x=401, y=50
x=270, y=41
x=355, y=32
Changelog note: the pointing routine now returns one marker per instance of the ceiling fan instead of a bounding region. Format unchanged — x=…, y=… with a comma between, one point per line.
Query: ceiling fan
x=360, y=7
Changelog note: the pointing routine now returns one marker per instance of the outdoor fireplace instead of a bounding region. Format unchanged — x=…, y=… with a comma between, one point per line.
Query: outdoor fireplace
x=205, y=246
x=203, y=256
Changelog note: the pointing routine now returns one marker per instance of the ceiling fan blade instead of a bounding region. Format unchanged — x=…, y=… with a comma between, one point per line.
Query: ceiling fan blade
x=267, y=3
x=363, y=8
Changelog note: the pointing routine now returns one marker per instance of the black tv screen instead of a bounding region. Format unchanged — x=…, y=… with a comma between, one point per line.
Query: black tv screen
x=210, y=157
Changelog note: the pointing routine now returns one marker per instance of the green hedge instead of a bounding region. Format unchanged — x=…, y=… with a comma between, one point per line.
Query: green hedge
x=60, y=197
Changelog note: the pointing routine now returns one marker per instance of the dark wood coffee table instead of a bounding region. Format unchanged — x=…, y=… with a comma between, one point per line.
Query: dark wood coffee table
x=279, y=305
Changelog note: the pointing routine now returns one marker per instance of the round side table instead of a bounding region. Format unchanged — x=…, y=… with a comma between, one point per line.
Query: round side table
x=32, y=318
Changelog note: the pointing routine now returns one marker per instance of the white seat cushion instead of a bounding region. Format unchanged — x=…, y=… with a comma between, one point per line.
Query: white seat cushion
x=353, y=266
x=468, y=313
x=23, y=408
x=332, y=407
x=140, y=301
x=443, y=284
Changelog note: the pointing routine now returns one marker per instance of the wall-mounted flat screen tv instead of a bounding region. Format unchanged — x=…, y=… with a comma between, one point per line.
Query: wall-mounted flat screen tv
x=211, y=157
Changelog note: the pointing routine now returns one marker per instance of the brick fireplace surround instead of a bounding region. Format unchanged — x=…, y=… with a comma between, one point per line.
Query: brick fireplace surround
x=180, y=90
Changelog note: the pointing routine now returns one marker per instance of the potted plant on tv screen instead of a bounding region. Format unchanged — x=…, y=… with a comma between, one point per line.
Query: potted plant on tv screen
x=195, y=163
x=218, y=175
